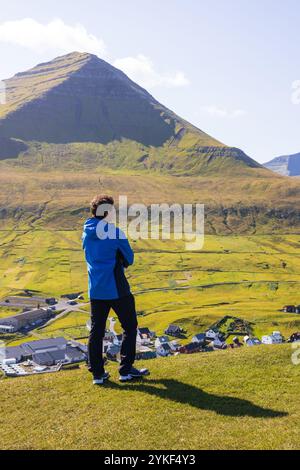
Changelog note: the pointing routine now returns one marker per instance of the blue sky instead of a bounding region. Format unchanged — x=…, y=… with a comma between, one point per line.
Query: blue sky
x=227, y=66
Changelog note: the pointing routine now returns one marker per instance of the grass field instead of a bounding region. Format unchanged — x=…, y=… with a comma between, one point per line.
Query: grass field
x=242, y=399
x=252, y=277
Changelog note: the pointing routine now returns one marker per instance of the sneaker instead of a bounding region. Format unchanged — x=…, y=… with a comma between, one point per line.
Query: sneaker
x=134, y=374
x=100, y=380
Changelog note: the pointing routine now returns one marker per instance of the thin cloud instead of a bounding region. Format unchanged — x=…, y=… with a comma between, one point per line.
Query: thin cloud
x=55, y=36
x=224, y=113
x=141, y=70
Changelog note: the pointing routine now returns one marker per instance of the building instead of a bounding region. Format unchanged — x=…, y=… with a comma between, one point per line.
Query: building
x=190, y=348
x=275, y=338
x=27, y=319
x=161, y=340
x=7, y=328
x=251, y=341
x=45, y=352
x=145, y=354
x=200, y=338
x=164, y=350
x=174, y=330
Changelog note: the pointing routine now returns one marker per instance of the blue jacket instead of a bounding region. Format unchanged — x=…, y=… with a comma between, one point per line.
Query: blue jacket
x=106, y=256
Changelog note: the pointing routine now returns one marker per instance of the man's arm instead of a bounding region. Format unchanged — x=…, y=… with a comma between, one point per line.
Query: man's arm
x=127, y=255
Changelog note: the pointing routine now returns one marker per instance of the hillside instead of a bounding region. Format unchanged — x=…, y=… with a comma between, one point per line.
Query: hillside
x=288, y=165
x=242, y=399
x=79, y=98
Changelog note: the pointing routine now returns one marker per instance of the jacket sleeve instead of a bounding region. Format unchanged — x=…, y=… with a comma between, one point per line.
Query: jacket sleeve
x=125, y=250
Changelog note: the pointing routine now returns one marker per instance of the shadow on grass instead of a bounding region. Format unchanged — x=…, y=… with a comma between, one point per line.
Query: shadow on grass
x=179, y=392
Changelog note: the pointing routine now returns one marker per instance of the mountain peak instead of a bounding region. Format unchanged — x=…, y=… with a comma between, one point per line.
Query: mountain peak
x=78, y=97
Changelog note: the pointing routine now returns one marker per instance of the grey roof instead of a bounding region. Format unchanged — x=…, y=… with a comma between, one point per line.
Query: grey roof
x=200, y=336
x=82, y=347
x=173, y=328
x=35, y=346
x=43, y=359
x=13, y=352
x=75, y=354
x=58, y=355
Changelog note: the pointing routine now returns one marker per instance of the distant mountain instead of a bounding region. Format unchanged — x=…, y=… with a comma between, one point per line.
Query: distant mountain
x=288, y=165
x=79, y=98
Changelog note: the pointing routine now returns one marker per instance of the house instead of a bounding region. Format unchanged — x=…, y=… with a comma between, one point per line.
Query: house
x=174, y=345
x=145, y=353
x=112, y=352
x=289, y=309
x=49, y=358
x=51, y=301
x=275, y=338
x=161, y=340
x=45, y=352
x=7, y=328
x=164, y=350
x=211, y=334
x=174, y=330
x=144, y=335
x=110, y=337
x=217, y=343
x=295, y=338
x=251, y=341
x=118, y=340
x=146, y=332
x=74, y=355
x=190, y=348
x=27, y=319
x=200, y=338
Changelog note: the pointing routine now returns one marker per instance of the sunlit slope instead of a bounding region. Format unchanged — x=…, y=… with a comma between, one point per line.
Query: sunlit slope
x=243, y=399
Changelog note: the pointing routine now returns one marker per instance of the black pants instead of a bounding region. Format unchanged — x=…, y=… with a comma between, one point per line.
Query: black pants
x=126, y=313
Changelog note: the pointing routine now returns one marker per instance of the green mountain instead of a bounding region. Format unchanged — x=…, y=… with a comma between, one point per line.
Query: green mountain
x=79, y=98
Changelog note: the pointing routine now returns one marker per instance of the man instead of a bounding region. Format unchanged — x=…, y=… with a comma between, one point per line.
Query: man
x=107, y=253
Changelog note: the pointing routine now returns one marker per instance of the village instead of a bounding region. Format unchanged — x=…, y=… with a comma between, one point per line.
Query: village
x=55, y=354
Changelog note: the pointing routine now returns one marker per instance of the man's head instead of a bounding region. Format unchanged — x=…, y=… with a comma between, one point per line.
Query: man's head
x=101, y=205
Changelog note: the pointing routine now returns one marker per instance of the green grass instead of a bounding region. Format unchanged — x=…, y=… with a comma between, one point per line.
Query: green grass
x=242, y=399
x=251, y=277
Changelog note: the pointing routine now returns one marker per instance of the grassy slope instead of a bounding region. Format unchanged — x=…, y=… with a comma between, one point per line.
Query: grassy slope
x=234, y=203
x=246, y=399
x=251, y=277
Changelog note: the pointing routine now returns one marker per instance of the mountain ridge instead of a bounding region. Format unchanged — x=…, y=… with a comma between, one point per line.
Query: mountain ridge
x=79, y=98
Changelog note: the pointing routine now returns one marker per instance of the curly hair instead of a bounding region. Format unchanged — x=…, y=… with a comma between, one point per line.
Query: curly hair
x=100, y=200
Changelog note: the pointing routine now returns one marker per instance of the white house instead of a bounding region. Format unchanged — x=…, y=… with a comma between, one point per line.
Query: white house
x=275, y=338
x=164, y=350
x=211, y=334
x=161, y=340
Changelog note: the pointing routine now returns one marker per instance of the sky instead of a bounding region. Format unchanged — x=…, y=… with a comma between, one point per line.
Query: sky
x=230, y=67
